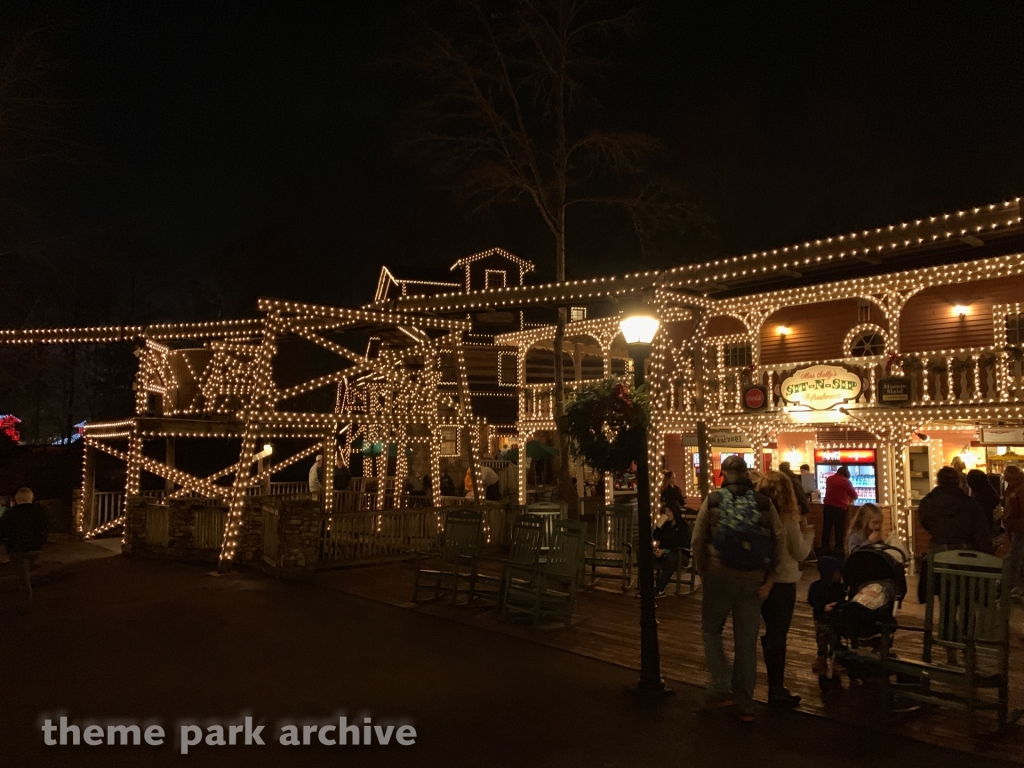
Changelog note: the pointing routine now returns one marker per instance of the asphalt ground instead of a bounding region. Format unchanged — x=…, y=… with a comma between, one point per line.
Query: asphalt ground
x=132, y=641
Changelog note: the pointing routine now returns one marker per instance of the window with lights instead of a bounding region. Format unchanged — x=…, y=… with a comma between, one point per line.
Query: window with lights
x=867, y=343
x=449, y=441
x=1015, y=330
x=738, y=355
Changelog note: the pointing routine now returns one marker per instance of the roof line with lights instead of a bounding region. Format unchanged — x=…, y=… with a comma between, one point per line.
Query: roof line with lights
x=867, y=246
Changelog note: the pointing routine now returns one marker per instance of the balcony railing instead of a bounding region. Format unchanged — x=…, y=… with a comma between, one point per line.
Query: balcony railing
x=968, y=376
x=537, y=402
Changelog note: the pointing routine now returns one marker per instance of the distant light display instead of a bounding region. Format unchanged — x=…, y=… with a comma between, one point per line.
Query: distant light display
x=9, y=426
x=75, y=437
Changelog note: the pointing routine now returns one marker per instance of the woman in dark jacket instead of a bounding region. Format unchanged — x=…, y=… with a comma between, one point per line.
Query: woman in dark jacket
x=953, y=520
x=983, y=493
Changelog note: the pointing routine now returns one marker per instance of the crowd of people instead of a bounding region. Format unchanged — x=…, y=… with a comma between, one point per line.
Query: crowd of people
x=750, y=541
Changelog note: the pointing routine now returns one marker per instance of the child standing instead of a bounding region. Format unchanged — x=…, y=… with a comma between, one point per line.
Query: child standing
x=865, y=529
x=823, y=596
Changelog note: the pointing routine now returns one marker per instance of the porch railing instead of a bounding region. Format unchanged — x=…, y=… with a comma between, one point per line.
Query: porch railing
x=367, y=536
x=972, y=375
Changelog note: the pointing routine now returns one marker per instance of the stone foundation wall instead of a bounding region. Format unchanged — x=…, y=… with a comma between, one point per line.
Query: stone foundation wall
x=298, y=533
x=296, y=523
x=183, y=538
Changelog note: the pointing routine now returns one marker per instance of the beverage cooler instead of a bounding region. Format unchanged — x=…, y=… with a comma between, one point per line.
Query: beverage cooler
x=863, y=466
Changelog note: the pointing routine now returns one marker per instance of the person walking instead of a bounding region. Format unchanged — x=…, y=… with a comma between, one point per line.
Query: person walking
x=1013, y=524
x=737, y=543
x=23, y=533
x=316, y=477
x=777, y=609
x=839, y=495
x=802, y=502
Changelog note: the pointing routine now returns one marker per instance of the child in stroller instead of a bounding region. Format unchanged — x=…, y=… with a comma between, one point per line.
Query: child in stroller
x=875, y=580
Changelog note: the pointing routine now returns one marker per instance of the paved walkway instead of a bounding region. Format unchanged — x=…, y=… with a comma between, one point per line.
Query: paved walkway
x=123, y=638
x=56, y=560
x=605, y=628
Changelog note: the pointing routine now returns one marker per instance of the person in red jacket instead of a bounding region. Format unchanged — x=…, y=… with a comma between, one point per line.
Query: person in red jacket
x=839, y=494
x=1013, y=522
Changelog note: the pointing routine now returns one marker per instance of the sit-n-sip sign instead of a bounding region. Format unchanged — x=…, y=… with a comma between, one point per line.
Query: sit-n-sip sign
x=821, y=387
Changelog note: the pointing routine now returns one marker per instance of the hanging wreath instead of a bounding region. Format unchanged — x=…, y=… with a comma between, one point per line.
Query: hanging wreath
x=606, y=424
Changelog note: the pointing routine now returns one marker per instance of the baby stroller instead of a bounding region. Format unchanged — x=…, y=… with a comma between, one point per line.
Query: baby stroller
x=875, y=578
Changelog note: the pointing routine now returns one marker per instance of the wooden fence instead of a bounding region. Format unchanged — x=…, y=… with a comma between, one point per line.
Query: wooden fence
x=354, y=537
x=207, y=528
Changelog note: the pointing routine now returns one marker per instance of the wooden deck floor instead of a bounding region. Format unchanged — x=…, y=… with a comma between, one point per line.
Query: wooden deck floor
x=607, y=628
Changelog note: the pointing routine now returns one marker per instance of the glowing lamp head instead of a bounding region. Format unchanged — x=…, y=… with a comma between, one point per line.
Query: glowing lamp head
x=638, y=328
x=783, y=330
x=268, y=449
x=961, y=310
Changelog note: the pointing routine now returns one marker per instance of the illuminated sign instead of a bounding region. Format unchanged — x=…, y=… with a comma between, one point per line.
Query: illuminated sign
x=821, y=387
x=844, y=456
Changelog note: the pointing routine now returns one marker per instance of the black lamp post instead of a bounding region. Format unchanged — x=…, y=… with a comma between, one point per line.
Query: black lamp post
x=638, y=330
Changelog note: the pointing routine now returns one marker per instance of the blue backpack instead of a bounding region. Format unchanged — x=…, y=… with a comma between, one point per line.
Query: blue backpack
x=742, y=541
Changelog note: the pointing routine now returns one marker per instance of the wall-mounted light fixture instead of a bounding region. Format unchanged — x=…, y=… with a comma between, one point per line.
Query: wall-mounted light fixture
x=783, y=330
x=961, y=310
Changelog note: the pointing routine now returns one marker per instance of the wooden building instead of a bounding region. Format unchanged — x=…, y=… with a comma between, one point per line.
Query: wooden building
x=891, y=350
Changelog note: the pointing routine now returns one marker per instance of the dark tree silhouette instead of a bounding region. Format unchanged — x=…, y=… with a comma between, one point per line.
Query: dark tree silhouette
x=511, y=120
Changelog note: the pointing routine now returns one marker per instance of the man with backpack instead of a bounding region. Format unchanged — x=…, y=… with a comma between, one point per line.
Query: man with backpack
x=737, y=540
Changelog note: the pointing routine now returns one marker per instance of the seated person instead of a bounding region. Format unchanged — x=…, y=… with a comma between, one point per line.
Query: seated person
x=671, y=534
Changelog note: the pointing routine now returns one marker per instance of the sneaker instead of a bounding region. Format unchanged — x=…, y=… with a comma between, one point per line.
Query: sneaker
x=784, y=700
x=659, y=594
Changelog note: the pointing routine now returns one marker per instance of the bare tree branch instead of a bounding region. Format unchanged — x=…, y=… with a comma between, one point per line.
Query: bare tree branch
x=510, y=118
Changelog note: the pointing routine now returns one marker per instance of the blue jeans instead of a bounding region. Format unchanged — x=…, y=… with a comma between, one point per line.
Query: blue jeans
x=726, y=594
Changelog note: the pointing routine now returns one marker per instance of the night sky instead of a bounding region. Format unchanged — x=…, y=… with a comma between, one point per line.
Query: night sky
x=203, y=123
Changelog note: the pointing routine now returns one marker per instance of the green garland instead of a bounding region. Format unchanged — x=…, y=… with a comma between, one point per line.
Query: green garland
x=606, y=424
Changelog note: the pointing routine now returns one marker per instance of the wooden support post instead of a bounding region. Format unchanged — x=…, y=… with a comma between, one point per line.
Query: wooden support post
x=87, y=512
x=327, y=490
